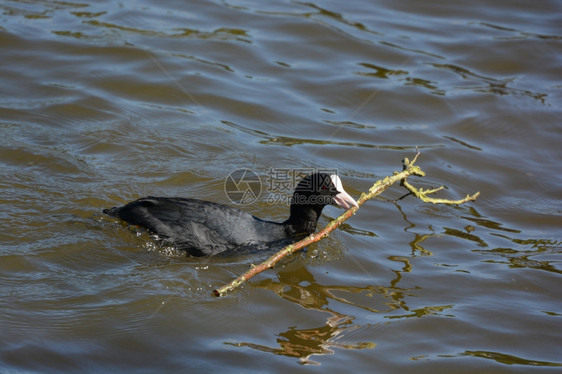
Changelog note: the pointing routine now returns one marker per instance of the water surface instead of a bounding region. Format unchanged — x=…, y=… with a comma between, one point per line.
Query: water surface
x=106, y=102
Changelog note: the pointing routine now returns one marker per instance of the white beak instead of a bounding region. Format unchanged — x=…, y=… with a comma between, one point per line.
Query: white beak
x=342, y=199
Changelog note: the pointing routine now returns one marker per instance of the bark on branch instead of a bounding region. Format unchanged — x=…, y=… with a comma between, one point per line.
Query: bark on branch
x=409, y=168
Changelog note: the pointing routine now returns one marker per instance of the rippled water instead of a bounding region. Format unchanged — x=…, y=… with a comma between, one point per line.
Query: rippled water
x=104, y=102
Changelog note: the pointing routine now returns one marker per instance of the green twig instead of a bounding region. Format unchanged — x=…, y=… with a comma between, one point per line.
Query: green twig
x=422, y=195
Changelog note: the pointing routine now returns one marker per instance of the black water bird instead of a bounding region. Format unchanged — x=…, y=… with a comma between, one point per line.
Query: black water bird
x=204, y=228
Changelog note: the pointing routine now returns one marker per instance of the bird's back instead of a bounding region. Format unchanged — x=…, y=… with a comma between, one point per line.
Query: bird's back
x=198, y=227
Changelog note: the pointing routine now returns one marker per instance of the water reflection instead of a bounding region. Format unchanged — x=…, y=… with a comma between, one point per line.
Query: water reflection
x=417, y=247
x=517, y=252
x=503, y=358
x=465, y=235
x=304, y=343
x=517, y=34
x=522, y=258
x=426, y=311
x=379, y=71
x=338, y=18
x=300, y=287
x=416, y=243
x=463, y=143
x=492, y=85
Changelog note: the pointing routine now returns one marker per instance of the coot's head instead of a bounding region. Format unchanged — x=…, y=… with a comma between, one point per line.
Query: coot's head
x=311, y=195
x=322, y=189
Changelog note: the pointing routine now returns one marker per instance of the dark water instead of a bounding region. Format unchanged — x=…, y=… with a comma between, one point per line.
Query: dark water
x=104, y=102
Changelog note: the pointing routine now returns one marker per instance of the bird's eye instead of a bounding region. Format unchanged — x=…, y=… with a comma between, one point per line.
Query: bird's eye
x=324, y=187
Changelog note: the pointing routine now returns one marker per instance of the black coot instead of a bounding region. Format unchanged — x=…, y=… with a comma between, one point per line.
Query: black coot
x=203, y=228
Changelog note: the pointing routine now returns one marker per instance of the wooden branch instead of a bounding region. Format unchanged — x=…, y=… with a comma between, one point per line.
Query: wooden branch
x=422, y=195
x=379, y=187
